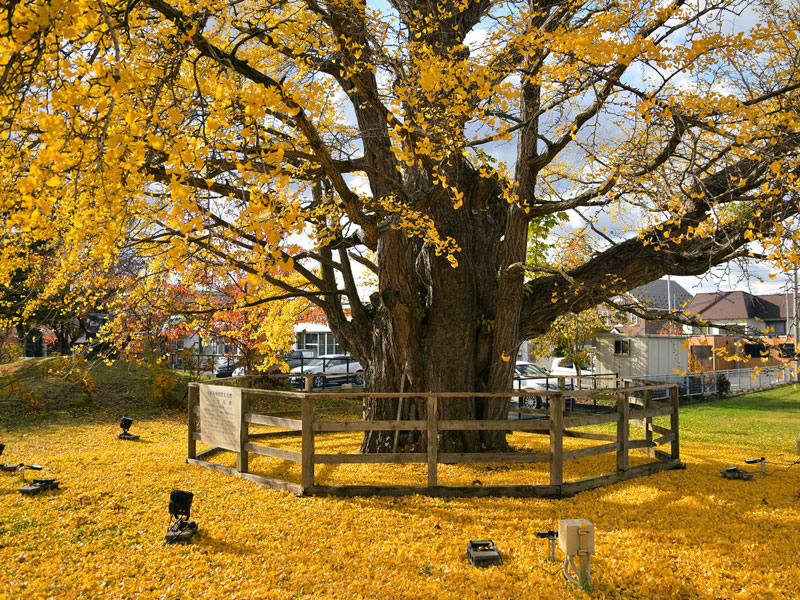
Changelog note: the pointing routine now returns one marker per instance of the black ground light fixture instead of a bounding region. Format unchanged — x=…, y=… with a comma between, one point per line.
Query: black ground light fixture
x=38, y=485
x=126, y=423
x=20, y=467
x=181, y=529
x=482, y=553
x=13, y=468
x=762, y=460
x=551, y=536
x=735, y=473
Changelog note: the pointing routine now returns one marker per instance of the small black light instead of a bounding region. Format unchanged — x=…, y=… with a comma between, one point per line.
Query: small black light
x=762, y=460
x=735, y=473
x=550, y=535
x=126, y=423
x=13, y=468
x=180, y=509
x=482, y=553
x=180, y=504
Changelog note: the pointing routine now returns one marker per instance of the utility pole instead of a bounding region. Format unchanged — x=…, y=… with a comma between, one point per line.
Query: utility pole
x=669, y=293
x=796, y=324
x=788, y=326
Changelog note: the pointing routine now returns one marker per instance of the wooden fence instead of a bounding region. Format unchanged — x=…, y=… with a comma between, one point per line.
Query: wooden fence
x=629, y=406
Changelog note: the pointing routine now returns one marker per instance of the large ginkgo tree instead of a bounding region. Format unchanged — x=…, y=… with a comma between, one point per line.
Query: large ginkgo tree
x=296, y=142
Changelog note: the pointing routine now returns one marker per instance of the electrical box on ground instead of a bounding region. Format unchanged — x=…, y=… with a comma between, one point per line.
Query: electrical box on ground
x=575, y=536
x=483, y=553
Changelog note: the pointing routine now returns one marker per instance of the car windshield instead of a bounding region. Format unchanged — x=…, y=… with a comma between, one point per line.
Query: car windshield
x=530, y=369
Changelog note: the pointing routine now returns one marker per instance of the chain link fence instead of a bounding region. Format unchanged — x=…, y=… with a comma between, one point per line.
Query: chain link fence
x=728, y=381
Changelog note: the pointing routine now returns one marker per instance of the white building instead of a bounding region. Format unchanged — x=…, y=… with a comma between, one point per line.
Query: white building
x=317, y=337
x=639, y=355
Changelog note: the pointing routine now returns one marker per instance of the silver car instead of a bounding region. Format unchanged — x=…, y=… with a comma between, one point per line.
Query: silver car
x=529, y=377
x=329, y=370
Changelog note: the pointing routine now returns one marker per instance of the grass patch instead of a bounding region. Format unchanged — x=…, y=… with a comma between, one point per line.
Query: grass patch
x=121, y=387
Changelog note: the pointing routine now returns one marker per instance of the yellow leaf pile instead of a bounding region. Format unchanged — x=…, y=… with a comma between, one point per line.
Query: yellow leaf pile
x=677, y=534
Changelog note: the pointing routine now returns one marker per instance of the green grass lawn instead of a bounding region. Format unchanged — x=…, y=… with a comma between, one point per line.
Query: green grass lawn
x=123, y=386
x=680, y=534
x=770, y=418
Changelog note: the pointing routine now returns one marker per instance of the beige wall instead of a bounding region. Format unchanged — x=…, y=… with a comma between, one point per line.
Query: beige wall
x=649, y=355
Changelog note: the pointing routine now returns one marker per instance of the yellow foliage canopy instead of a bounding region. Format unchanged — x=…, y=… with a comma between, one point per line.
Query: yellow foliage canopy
x=185, y=140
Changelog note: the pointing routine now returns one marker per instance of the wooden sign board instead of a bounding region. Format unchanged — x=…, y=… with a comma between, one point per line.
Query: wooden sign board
x=221, y=416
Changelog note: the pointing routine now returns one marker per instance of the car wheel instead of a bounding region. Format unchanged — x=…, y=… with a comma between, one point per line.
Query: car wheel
x=359, y=379
x=319, y=381
x=538, y=403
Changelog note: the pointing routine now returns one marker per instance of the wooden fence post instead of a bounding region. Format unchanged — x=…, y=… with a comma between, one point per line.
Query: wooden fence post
x=557, y=435
x=433, y=440
x=675, y=448
x=647, y=421
x=194, y=400
x=309, y=383
x=307, y=454
x=623, y=428
x=242, y=456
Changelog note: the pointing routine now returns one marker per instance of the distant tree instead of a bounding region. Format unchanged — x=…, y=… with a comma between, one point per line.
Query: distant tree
x=149, y=319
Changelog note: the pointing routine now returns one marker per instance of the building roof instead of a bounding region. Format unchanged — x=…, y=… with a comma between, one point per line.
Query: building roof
x=740, y=305
x=782, y=304
x=655, y=295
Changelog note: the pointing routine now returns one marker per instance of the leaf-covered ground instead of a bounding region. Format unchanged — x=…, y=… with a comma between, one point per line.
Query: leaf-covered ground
x=677, y=534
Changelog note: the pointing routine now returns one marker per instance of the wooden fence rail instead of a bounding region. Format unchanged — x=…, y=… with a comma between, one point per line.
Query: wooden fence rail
x=634, y=408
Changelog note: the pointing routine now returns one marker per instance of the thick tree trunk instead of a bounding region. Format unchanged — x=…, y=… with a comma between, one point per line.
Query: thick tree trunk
x=432, y=322
x=432, y=326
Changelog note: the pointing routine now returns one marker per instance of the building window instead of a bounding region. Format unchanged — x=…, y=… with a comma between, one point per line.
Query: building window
x=776, y=327
x=701, y=352
x=755, y=350
x=622, y=348
x=320, y=343
x=786, y=350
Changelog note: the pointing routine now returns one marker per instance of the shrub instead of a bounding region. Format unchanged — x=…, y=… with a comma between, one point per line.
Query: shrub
x=12, y=387
x=11, y=352
x=75, y=369
x=163, y=385
x=723, y=385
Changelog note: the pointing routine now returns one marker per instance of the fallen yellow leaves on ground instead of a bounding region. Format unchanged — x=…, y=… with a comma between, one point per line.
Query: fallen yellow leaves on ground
x=677, y=534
